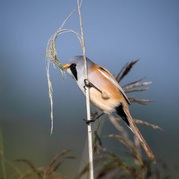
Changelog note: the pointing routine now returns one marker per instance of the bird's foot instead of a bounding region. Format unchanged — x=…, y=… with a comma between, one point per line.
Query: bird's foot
x=90, y=85
x=93, y=119
x=89, y=121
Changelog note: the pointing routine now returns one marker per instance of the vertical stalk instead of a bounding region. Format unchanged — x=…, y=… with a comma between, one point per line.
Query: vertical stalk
x=90, y=137
x=2, y=156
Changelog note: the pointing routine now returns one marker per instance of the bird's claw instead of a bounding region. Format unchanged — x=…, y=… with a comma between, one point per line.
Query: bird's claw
x=91, y=85
x=93, y=119
x=89, y=121
x=87, y=83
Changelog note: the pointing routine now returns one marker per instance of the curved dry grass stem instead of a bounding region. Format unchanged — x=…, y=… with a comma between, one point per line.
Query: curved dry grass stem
x=50, y=93
x=51, y=57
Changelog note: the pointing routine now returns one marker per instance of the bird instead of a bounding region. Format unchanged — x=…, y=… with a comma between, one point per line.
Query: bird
x=105, y=92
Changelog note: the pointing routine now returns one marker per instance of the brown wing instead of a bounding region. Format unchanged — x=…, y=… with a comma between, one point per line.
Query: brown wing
x=111, y=78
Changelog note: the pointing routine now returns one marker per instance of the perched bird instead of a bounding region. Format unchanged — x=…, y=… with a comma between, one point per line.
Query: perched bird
x=105, y=93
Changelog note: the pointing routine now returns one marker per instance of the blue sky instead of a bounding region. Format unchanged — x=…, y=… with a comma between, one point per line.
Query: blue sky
x=116, y=32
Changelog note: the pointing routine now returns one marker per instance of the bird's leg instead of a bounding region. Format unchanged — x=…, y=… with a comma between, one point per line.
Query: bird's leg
x=94, y=119
x=90, y=85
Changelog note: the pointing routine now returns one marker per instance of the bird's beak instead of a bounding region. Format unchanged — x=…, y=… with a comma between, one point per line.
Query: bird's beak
x=66, y=66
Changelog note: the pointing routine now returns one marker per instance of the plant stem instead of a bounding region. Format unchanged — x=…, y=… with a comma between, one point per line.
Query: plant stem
x=90, y=137
x=2, y=156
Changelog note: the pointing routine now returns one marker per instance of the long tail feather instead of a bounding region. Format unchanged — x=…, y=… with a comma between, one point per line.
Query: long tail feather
x=137, y=133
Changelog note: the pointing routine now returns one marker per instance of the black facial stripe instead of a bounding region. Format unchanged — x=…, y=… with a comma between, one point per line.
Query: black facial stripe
x=73, y=70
